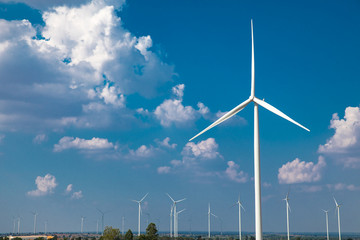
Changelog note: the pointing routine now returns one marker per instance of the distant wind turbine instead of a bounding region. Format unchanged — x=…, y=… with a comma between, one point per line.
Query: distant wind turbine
x=19, y=221
x=287, y=214
x=139, y=202
x=209, y=219
x=102, y=218
x=35, y=215
x=327, y=223
x=252, y=98
x=45, y=227
x=171, y=217
x=240, y=206
x=338, y=213
x=14, y=220
x=122, y=225
x=177, y=219
x=82, y=224
x=175, y=214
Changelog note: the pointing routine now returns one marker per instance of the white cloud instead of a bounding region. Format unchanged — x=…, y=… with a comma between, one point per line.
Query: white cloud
x=40, y=138
x=266, y=184
x=233, y=173
x=83, y=144
x=178, y=90
x=142, y=152
x=347, y=132
x=111, y=95
x=166, y=143
x=172, y=111
x=300, y=171
x=203, y=150
x=86, y=58
x=344, y=145
x=45, y=185
x=343, y=186
x=68, y=188
x=163, y=169
x=77, y=195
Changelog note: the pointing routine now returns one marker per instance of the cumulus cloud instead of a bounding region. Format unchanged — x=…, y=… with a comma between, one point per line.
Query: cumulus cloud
x=85, y=64
x=166, y=143
x=347, y=132
x=142, y=152
x=344, y=145
x=203, y=150
x=163, y=169
x=40, y=138
x=300, y=171
x=44, y=186
x=234, y=173
x=77, y=195
x=172, y=111
x=79, y=143
x=68, y=188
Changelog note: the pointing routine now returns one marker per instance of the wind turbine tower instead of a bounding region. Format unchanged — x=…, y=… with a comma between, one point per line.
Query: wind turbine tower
x=327, y=223
x=19, y=220
x=82, y=224
x=240, y=206
x=338, y=213
x=209, y=219
x=102, y=219
x=175, y=214
x=45, y=227
x=171, y=217
x=287, y=214
x=139, y=202
x=257, y=102
x=35, y=215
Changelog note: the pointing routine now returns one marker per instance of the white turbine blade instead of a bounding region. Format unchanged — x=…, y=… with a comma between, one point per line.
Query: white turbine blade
x=131, y=200
x=143, y=197
x=180, y=200
x=171, y=198
x=214, y=215
x=252, y=62
x=336, y=202
x=101, y=211
x=242, y=207
x=181, y=211
x=277, y=112
x=226, y=116
x=288, y=206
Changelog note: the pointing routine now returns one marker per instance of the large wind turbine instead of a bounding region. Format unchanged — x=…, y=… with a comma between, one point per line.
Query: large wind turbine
x=338, y=213
x=252, y=98
x=240, y=206
x=139, y=202
x=327, y=223
x=175, y=214
x=287, y=214
x=35, y=215
x=209, y=219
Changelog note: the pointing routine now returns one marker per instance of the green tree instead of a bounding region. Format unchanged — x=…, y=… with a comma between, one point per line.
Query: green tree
x=39, y=238
x=129, y=235
x=142, y=237
x=151, y=232
x=110, y=234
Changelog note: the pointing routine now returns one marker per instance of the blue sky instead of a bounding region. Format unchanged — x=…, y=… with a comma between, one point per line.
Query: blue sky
x=99, y=99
